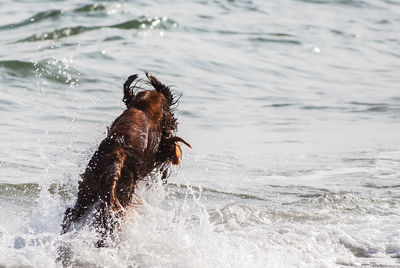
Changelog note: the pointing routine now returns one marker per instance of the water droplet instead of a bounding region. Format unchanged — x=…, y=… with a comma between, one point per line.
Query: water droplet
x=316, y=50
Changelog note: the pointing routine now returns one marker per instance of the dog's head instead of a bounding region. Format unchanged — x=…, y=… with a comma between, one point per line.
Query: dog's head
x=159, y=106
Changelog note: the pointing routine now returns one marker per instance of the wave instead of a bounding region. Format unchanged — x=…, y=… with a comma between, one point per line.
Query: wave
x=353, y=3
x=59, y=33
x=41, y=16
x=18, y=68
x=24, y=189
x=140, y=23
x=53, y=15
x=32, y=190
x=183, y=226
x=50, y=69
x=208, y=191
x=273, y=40
x=374, y=186
x=90, y=8
x=351, y=107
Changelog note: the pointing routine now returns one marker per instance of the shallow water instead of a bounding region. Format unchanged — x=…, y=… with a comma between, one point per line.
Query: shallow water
x=292, y=108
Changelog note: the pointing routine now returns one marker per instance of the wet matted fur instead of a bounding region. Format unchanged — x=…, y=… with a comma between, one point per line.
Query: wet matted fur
x=141, y=140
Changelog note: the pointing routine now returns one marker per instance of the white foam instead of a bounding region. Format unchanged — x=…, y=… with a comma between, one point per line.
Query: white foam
x=174, y=228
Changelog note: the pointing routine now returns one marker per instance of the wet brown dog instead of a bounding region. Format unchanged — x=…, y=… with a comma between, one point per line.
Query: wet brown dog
x=141, y=140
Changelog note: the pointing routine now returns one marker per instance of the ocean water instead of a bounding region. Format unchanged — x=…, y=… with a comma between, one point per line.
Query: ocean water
x=292, y=108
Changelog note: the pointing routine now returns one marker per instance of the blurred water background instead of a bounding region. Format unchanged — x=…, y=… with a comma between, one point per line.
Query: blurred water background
x=292, y=108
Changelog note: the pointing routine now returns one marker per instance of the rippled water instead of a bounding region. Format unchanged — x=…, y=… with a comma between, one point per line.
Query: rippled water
x=292, y=108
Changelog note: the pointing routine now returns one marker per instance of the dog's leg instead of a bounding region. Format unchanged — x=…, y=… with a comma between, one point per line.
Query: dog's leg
x=114, y=175
x=165, y=175
x=71, y=215
x=110, y=209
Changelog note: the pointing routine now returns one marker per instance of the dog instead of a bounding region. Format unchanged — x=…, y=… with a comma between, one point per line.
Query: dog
x=140, y=141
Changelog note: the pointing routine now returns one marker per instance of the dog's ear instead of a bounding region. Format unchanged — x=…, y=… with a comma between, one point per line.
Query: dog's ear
x=128, y=93
x=177, y=150
x=160, y=87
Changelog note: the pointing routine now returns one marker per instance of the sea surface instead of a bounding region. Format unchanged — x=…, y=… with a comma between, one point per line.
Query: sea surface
x=292, y=108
